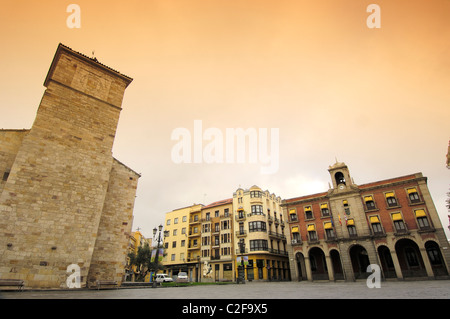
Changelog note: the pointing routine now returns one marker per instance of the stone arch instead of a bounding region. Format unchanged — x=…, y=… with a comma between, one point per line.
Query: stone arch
x=301, y=266
x=410, y=258
x=435, y=257
x=360, y=260
x=318, y=265
x=387, y=263
x=336, y=262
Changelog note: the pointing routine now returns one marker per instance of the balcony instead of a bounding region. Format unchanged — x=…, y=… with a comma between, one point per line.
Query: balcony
x=278, y=252
x=277, y=235
x=241, y=233
x=194, y=220
x=241, y=216
x=239, y=252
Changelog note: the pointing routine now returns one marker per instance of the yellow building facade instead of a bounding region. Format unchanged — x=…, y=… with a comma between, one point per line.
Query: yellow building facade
x=217, y=245
x=259, y=236
x=182, y=245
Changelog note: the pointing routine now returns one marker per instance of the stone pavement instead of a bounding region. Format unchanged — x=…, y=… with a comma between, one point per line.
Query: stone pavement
x=427, y=289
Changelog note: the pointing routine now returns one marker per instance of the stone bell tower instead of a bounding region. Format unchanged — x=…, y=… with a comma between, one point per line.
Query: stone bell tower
x=54, y=197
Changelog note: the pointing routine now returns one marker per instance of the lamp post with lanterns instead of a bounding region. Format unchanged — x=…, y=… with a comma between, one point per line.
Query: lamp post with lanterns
x=158, y=245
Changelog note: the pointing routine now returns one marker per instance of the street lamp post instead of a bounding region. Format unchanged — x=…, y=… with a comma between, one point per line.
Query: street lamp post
x=158, y=243
x=241, y=267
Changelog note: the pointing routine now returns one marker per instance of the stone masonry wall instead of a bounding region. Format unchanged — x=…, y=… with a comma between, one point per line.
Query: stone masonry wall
x=110, y=253
x=52, y=202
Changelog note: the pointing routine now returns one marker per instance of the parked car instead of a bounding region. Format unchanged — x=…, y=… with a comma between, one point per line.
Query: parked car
x=182, y=277
x=163, y=278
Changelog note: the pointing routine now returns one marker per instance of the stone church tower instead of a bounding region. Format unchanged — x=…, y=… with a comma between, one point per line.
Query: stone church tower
x=64, y=198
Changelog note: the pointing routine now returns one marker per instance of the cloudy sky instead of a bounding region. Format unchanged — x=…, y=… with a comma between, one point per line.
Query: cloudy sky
x=376, y=99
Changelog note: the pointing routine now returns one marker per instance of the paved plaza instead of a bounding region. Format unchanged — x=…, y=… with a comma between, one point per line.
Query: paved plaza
x=428, y=289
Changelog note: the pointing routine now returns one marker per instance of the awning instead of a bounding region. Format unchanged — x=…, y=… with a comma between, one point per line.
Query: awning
x=307, y=208
x=345, y=202
x=328, y=225
x=412, y=190
x=397, y=216
x=374, y=219
x=292, y=211
x=390, y=195
x=350, y=222
x=420, y=213
x=294, y=229
x=368, y=198
x=311, y=228
x=323, y=206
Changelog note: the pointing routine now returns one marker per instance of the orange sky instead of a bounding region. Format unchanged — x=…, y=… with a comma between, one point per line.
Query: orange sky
x=377, y=99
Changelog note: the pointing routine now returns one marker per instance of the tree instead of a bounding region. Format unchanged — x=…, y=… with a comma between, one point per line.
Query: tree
x=143, y=263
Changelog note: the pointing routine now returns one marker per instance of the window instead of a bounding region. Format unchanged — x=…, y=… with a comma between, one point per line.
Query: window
x=183, y=243
x=434, y=255
x=422, y=219
x=5, y=176
x=183, y=230
x=168, y=222
x=257, y=209
x=225, y=238
x=216, y=213
x=172, y=257
x=413, y=195
x=399, y=225
x=241, y=229
x=330, y=233
x=226, y=212
x=258, y=244
x=352, y=231
x=216, y=227
x=411, y=257
x=423, y=222
x=391, y=200
x=175, y=221
x=257, y=226
x=376, y=225
x=226, y=224
x=174, y=244
x=296, y=237
x=208, y=216
x=370, y=203
x=292, y=215
x=308, y=212
x=175, y=232
x=184, y=218
x=377, y=228
x=312, y=235
x=255, y=194
x=324, y=210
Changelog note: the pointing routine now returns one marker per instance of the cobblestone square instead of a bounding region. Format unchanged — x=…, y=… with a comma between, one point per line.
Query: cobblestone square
x=428, y=289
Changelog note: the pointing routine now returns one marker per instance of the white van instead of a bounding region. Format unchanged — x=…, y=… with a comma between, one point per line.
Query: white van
x=163, y=278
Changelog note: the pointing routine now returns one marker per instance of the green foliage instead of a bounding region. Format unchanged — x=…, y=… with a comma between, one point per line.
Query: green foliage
x=142, y=261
